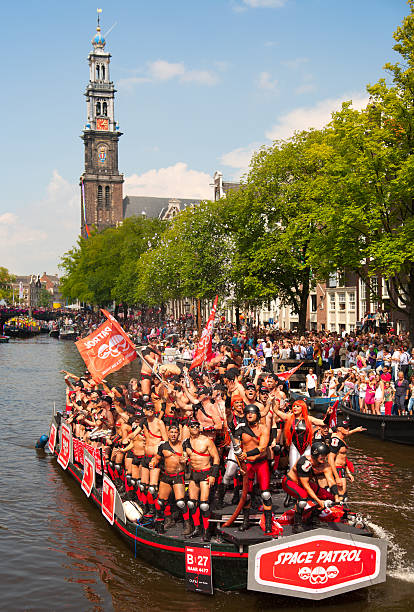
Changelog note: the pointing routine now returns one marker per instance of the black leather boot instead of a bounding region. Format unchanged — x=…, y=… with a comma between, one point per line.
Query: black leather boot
x=245, y=524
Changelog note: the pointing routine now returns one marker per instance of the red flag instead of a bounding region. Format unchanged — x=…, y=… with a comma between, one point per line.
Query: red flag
x=286, y=375
x=106, y=349
x=333, y=417
x=203, y=350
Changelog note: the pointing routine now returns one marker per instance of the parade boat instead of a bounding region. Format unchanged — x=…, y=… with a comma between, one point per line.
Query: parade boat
x=54, y=333
x=4, y=339
x=393, y=428
x=316, y=404
x=67, y=332
x=313, y=562
x=22, y=327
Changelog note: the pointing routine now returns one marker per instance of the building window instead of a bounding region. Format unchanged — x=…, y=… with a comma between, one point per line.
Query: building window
x=107, y=198
x=103, y=73
x=99, y=196
x=332, y=302
x=374, y=295
x=362, y=298
x=104, y=109
x=341, y=300
x=98, y=108
x=313, y=303
x=385, y=293
x=351, y=300
x=333, y=280
x=97, y=72
x=351, y=327
x=333, y=327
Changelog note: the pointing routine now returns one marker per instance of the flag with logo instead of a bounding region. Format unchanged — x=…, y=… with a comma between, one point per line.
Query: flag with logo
x=107, y=349
x=286, y=375
x=333, y=417
x=203, y=350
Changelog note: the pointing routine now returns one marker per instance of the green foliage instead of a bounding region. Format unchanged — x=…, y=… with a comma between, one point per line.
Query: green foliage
x=6, y=279
x=45, y=298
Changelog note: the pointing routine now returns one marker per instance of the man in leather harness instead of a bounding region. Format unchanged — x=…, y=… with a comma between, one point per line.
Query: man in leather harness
x=254, y=440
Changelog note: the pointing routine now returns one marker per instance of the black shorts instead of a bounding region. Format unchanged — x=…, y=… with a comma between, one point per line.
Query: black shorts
x=137, y=460
x=129, y=454
x=145, y=461
x=172, y=479
x=198, y=476
x=341, y=472
x=146, y=377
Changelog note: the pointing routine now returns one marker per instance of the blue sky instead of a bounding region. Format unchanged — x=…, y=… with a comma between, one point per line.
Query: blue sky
x=201, y=84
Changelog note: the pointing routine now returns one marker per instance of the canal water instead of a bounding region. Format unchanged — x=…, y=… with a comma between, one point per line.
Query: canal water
x=57, y=552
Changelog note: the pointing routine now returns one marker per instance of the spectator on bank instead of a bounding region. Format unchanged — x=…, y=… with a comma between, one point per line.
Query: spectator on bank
x=311, y=382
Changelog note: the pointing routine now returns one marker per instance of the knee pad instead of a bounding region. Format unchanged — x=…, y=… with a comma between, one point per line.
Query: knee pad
x=153, y=490
x=266, y=495
x=180, y=504
x=133, y=482
x=192, y=504
x=302, y=504
x=141, y=486
x=145, y=398
x=204, y=507
x=129, y=478
x=161, y=503
x=111, y=464
x=118, y=467
x=277, y=449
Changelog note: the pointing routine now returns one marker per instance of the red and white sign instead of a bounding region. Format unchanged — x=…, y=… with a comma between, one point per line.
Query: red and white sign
x=106, y=349
x=203, y=350
x=108, y=499
x=65, y=453
x=52, y=438
x=316, y=566
x=198, y=568
x=79, y=447
x=88, y=480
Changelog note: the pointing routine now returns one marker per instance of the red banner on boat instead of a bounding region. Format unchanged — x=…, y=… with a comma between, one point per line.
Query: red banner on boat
x=333, y=417
x=108, y=499
x=88, y=480
x=316, y=566
x=286, y=375
x=203, y=350
x=65, y=454
x=79, y=447
x=107, y=349
x=198, y=568
x=52, y=438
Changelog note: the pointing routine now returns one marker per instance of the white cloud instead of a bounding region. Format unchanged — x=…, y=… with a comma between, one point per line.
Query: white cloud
x=317, y=116
x=302, y=118
x=266, y=82
x=176, y=181
x=294, y=64
x=305, y=88
x=265, y=3
x=34, y=244
x=162, y=70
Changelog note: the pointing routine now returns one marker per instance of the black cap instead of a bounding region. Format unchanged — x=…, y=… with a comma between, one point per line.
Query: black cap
x=193, y=423
x=203, y=390
x=149, y=406
x=107, y=398
x=345, y=423
x=319, y=448
x=250, y=385
x=253, y=409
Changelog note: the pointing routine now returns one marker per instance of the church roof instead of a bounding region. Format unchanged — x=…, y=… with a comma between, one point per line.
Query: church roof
x=152, y=207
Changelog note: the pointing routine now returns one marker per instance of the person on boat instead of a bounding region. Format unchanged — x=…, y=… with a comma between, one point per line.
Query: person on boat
x=235, y=417
x=337, y=443
x=401, y=394
x=254, y=438
x=298, y=430
x=134, y=454
x=154, y=431
x=171, y=455
x=204, y=462
x=150, y=358
x=205, y=411
x=301, y=482
x=389, y=394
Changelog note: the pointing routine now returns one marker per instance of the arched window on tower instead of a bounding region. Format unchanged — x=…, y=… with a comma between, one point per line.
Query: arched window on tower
x=98, y=109
x=104, y=109
x=97, y=72
x=107, y=198
x=100, y=196
x=103, y=72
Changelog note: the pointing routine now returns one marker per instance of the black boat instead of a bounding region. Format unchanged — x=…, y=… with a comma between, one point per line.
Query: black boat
x=398, y=429
x=240, y=560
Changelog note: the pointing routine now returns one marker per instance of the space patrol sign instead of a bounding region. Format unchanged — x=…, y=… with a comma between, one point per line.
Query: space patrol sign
x=316, y=564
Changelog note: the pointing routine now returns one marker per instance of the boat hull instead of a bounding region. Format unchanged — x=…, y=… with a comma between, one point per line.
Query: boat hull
x=398, y=429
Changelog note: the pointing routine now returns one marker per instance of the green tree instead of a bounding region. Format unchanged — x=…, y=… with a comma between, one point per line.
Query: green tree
x=367, y=218
x=6, y=280
x=273, y=222
x=45, y=298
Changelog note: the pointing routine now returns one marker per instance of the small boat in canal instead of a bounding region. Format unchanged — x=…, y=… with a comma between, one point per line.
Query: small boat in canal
x=314, y=561
x=398, y=429
x=4, y=339
x=67, y=332
x=22, y=327
x=316, y=404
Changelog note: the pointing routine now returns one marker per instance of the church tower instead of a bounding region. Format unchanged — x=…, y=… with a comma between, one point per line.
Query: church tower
x=101, y=182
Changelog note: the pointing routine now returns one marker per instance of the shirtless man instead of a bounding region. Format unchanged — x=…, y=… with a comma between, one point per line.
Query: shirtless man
x=134, y=454
x=150, y=358
x=171, y=478
x=338, y=455
x=254, y=439
x=301, y=481
x=204, y=462
x=154, y=432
